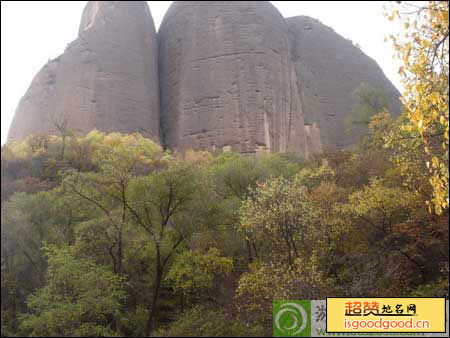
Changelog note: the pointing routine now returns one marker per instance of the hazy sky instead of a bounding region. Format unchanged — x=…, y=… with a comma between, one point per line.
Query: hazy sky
x=32, y=32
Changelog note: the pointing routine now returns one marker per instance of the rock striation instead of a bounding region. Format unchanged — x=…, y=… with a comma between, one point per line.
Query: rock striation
x=227, y=82
x=220, y=76
x=106, y=79
x=329, y=68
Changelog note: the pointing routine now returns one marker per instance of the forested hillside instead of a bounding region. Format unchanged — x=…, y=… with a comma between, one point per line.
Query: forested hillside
x=111, y=235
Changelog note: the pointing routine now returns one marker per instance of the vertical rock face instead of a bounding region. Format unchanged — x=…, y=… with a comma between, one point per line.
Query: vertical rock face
x=106, y=79
x=329, y=68
x=233, y=75
x=227, y=82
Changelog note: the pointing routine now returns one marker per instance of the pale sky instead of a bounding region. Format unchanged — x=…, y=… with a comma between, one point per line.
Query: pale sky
x=32, y=32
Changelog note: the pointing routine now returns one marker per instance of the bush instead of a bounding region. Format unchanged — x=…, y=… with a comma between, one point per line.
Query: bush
x=201, y=321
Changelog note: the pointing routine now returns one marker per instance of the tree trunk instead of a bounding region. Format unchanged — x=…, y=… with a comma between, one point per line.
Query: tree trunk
x=63, y=149
x=182, y=302
x=14, y=309
x=154, y=304
x=119, y=253
x=254, y=249
x=249, y=249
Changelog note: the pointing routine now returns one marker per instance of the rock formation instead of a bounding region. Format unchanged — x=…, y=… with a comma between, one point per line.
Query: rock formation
x=233, y=75
x=226, y=79
x=106, y=79
x=329, y=68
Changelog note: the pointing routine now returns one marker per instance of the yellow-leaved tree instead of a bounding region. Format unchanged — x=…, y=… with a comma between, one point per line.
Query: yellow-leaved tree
x=422, y=46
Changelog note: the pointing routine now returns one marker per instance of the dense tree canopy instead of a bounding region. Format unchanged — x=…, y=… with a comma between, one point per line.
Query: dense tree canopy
x=128, y=239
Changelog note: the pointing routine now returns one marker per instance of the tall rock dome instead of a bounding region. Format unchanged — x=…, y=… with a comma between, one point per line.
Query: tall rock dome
x=329, y=69
x=106, y=79
x=227, y=82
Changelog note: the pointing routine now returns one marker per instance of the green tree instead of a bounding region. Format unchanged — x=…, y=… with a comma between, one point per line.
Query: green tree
x=118, y=158
x=295, y=234
x=235, y=177
x=195, y=274
x=79, y=298
x=26, y=225
x=162, y=204
x=202, y=321
x=369, y=101
x=281, y=216
x=376, y=256
x=377, y=208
